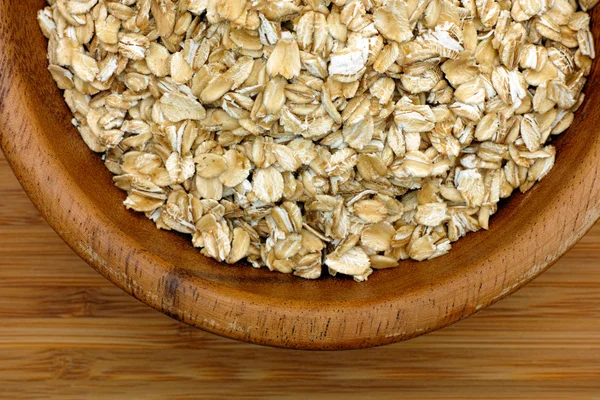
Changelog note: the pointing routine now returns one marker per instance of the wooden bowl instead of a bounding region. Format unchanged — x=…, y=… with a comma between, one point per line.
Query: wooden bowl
x=74, y=192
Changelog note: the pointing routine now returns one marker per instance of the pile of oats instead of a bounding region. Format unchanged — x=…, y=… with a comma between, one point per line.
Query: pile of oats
x=297, y=134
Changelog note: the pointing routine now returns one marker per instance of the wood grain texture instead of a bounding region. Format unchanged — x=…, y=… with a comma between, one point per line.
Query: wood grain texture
x=68, y=333
x=73, y=191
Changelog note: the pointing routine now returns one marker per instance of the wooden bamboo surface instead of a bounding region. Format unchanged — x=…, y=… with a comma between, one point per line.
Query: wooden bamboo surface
x=67, y=333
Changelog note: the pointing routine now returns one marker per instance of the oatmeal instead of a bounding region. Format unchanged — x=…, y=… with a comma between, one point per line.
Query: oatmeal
x=318, y=136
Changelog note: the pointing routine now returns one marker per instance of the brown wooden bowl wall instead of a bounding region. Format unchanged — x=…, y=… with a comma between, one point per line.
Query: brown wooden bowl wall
x=74, y=192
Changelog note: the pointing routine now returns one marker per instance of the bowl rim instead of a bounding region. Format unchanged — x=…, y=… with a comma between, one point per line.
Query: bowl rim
x=32, y=182
x=19, y=130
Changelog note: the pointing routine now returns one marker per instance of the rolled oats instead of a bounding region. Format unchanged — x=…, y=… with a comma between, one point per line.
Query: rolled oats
x=298, y=134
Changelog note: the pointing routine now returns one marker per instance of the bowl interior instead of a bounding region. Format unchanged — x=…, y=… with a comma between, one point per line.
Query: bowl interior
x=75, y=193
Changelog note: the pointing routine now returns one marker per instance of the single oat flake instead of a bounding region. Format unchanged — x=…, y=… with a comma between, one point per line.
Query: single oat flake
x=321, y=137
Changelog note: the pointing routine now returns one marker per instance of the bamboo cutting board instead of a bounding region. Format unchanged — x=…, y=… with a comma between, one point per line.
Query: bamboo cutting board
x=67, y=333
